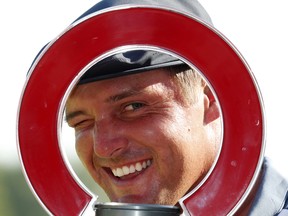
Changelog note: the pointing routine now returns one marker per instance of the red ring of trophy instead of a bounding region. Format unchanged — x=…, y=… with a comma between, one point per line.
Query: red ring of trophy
x=59, y=65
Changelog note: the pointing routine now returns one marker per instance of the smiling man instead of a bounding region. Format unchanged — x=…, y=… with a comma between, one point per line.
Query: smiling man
x=148, y=129
x=149, y=137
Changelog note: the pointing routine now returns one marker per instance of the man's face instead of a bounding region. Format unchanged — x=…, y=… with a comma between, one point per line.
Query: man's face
x=139, y=138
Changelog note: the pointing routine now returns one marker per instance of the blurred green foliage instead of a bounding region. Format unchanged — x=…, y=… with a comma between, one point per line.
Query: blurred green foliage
x=16, y=198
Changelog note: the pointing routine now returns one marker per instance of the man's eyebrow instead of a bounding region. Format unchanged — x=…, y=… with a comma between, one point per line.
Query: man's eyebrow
x=123, y=95
x=72, y=115
x=111, y=99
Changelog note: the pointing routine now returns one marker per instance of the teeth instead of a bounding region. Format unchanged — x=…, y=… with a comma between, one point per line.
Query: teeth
x=125, y=170
x=132, y=169
x=119, y=172
x=148, y=163
x=138, y=167
x=144, y=164
x=114, y=172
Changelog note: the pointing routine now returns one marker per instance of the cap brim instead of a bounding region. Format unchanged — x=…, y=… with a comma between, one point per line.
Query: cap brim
x=130, y=62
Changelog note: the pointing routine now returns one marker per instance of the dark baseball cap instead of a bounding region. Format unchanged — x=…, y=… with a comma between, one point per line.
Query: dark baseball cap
x=129, y=62
x=139, y=60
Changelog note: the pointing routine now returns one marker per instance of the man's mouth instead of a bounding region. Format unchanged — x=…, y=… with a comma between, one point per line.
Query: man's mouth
x=130, y=169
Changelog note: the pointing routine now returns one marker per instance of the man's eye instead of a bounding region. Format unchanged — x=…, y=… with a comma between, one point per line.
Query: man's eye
x=133, y=106
x=82, y=124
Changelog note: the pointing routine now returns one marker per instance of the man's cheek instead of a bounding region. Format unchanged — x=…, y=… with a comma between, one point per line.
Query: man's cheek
x=84, y=150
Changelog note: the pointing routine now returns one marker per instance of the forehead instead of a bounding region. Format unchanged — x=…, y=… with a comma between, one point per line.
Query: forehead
x=134, y=82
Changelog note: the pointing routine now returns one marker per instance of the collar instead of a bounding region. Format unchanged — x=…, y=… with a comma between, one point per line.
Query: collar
x=271, y=194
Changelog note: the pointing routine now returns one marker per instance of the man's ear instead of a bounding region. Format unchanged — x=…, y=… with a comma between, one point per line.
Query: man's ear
x=211, y=108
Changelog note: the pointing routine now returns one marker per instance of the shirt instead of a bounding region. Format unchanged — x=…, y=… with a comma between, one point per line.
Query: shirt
x=271, y=197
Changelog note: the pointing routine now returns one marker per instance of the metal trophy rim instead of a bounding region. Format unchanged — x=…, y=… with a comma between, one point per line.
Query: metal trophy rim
x=207, y=43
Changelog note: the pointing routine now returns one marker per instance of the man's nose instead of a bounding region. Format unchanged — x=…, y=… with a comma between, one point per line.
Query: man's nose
x=109, y=139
